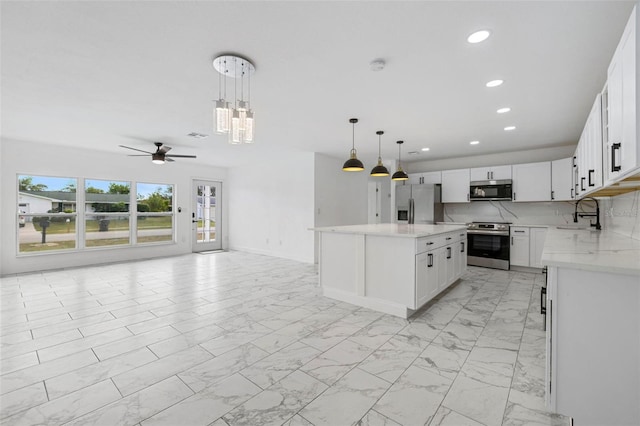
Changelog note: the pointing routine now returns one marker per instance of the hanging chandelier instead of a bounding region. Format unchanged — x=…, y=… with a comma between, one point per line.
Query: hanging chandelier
x=234, y=118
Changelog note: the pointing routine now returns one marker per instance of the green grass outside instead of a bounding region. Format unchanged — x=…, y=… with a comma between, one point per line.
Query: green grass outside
x=149, y=222
x=58, y=245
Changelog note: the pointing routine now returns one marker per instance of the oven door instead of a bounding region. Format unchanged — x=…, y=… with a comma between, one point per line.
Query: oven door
x=488, y=250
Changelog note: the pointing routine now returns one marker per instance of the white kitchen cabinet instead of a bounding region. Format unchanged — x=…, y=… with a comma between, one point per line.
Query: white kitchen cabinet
x=562, y=180
x=536, y=244
x=592, y=371
x=532, y=182
x=490, y=173
x=427, y=283
x=519, y=254
x=455, y=186
x=589, y=152
x=425, y=177
x=623, y=155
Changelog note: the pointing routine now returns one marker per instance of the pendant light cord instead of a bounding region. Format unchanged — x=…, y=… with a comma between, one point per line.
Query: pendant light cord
x=353, y=137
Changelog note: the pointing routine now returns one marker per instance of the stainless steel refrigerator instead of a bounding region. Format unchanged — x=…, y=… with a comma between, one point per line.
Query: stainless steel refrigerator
x=419, y=204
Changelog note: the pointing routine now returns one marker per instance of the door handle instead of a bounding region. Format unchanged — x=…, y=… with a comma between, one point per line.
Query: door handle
x=552, y=195
x=591, y=172
x=430, y=261
x=614, y=147
x=572, y=196
x=448, y=252
x=462, y=248
x=582, y=188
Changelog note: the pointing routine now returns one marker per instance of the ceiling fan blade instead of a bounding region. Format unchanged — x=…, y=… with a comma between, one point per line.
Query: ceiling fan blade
x=168, y=159
x=138, y=155
x=135, y=149
x=181, y=156
x=163, y=149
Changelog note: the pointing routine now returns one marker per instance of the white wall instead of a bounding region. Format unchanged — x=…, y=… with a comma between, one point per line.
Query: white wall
x=518, y=157
x=621, y=214
x=49, y=160
x=340, y=197
x=271, y=207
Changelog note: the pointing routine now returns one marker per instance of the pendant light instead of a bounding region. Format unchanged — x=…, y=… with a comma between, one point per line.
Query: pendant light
x=222, y=112
x=236, y=120
x=379, y=169
x=353, y=164
x=400, y=174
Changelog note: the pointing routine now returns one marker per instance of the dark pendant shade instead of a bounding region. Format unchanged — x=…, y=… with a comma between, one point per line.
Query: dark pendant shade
x=353, y=164
x=400, y=175
x=379, y=170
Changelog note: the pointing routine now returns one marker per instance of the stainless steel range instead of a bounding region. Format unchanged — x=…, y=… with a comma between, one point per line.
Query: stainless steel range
x=488, y=244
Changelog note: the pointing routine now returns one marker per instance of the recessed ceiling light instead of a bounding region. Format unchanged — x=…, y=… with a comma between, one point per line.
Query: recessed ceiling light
x=425, y=149
x=478, y=36
x=503, y=110
x=494, y=83
x=474, y=142
x=510, y=128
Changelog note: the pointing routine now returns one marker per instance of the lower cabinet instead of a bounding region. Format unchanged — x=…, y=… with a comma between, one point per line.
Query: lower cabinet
x=526, y=246
x=439, y=267
x=593, y=349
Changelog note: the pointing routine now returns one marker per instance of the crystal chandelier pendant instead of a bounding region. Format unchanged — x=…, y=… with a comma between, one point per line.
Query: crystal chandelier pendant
x=221, y=118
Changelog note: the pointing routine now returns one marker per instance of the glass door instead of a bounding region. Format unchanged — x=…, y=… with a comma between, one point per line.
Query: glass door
x=206, y=216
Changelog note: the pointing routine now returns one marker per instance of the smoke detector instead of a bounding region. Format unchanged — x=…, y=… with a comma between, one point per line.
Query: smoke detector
x=377, y=65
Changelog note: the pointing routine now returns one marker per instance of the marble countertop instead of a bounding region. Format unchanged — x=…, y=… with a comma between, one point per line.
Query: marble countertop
x=602, y=251
x=392, y=229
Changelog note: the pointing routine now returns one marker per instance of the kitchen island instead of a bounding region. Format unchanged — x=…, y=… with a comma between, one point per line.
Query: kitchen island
x=391, y=268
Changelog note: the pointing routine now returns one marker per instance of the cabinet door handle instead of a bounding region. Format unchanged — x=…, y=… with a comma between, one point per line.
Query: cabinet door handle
x=553, y=195
x=430, y=260
x=572, y=196
x=448, y=238
x=614, y=147
x=514, y=196
x=467, y=196
x=574, y=161
x=518, y=230
x=582, y=188
x=511, y=240
x=488, y=177
x=448, y=252
x=591, y=173
x=462, y=235
x=430, y=243
x=462, y=248
x=543, y=300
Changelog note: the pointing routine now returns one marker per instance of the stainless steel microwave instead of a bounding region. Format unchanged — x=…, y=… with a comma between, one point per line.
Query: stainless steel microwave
x=490, y=190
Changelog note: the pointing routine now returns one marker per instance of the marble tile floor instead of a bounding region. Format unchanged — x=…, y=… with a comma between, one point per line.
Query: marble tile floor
x=241, y=339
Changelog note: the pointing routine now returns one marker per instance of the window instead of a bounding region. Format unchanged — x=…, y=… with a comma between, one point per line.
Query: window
x=154, y=213
x=46, y=214
x=106, y=213
x=51, y=216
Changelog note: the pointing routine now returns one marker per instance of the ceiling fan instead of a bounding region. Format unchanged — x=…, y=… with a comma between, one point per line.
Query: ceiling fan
x=160, y=156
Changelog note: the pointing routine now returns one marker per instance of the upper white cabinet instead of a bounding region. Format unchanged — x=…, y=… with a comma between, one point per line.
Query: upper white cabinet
x=623, y=155
x=531, y=181
x=455, y=186
x=562, y=180
x=425, y=177
x=589, y=153
x=490, y=173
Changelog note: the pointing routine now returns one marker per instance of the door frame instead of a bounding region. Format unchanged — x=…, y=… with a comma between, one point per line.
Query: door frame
x=197, y=247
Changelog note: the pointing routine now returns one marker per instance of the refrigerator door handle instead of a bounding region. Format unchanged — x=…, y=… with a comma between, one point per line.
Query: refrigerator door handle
x=411, y=211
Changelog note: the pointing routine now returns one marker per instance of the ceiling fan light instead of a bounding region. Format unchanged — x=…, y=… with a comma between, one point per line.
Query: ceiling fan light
x=157, y=158
x=353, y=164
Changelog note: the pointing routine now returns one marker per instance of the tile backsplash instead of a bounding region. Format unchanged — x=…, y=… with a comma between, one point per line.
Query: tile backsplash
x=618, y=214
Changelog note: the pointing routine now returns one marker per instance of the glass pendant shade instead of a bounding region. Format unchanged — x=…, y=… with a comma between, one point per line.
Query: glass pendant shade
x=222, y=116
x=234, y=133
x=248, y=127
x=353, y=164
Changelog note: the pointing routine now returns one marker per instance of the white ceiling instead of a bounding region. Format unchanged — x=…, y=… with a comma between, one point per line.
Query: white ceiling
x=100, y=74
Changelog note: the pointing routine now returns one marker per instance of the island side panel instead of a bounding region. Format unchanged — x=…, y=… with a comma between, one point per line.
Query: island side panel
x=597, y=347
x=390, y=264
x=342, y=263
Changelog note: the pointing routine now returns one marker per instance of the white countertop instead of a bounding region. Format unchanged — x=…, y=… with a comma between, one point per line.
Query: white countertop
x=602, y=251
x=392, y=229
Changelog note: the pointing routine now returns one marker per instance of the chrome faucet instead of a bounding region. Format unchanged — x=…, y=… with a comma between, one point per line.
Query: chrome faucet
x=596, y=214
